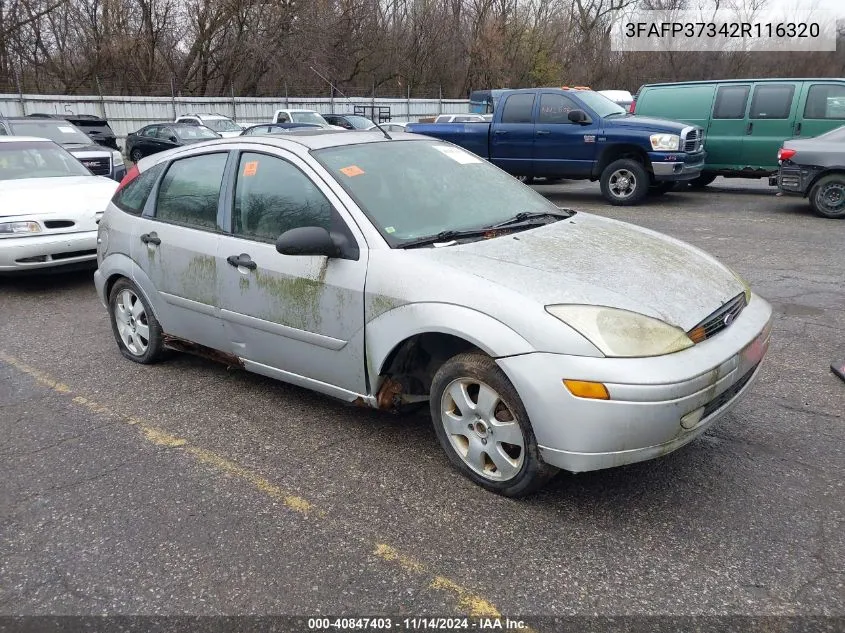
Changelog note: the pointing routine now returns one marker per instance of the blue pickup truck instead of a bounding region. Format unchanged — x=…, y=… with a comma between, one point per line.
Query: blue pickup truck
x=580, y=134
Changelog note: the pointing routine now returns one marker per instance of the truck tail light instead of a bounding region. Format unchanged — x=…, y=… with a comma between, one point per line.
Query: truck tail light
x=786, y=154
x=633, y=107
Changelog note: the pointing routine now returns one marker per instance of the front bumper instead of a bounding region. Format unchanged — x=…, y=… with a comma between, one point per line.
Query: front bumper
x=796, y=178
x=657, y=404
x=36, y=252
x=674, y=166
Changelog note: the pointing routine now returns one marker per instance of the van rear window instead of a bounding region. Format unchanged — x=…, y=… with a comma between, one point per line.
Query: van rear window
x=825, y=101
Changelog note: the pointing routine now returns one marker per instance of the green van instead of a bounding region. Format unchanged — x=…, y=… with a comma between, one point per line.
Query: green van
x=745, y=121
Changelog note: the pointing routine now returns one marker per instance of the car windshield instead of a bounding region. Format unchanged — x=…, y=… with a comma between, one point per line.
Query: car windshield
x=60, y=132
x=307, y=117
x=222, y=125
x=413, y=189
x=35, y=159
x=358, y=122
x=600, y=104
x=196, y=133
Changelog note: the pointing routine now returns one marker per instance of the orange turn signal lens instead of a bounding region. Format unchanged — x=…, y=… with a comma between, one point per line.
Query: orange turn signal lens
x=697, y=334
x=587, y=389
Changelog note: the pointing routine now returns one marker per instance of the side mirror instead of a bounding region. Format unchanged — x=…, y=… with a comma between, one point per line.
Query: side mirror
x=172, y=139
x=312, y=240
x=579, y=116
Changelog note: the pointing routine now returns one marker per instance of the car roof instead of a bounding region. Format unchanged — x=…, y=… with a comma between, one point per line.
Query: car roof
x=313, y=139
x=34, y=119
x=206, y=115
x=744, y=81
x=28, y=139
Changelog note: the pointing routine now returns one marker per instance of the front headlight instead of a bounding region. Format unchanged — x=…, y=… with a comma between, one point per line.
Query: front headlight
x=19, y=228
x=665, y=142
x=116, y=158
x=620, y=333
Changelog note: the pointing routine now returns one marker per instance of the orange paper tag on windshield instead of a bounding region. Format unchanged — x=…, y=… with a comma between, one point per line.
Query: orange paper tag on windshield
x=352, y=170
x=250, y=168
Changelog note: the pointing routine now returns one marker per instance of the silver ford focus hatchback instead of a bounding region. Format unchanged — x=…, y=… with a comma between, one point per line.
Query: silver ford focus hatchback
x=392, y=271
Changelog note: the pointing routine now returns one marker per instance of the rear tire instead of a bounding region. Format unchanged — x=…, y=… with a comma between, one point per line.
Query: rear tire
x=702, y=181
x=827, y=197
x=624, y=182
x=528, y=180
x=482, y=425
x=136, y=330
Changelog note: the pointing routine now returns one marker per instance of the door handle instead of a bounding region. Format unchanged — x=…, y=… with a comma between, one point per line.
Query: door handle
x=499, y=132
x=798, y=128
x=150, y=238
x=750, y=127
x=543, y=132
x=242, y=260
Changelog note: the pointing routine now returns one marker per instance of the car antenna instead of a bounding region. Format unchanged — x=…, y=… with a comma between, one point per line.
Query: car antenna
x=333, y=87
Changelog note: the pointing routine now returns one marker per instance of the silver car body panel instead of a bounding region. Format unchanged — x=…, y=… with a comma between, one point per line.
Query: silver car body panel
x=331, y=325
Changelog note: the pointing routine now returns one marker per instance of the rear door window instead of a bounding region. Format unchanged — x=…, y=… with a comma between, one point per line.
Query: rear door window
x=772, y=101
x=825, y=101
x=518, y=109
x=133, y=196
x=190, y=191
x=730, y=102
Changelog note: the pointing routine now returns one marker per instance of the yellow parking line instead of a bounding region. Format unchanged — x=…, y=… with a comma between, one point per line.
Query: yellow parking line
x=469, y=603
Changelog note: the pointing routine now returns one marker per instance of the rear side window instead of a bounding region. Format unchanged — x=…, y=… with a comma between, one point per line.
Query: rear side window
x=190, y=191
x=133, y=196
x=773, y=101
x=555, y=108
x=518, y=109
x=730, y=102
x=825, y=101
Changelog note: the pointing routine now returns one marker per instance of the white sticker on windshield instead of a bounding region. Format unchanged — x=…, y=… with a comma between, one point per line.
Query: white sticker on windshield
x=458, y=155
x=67, y=129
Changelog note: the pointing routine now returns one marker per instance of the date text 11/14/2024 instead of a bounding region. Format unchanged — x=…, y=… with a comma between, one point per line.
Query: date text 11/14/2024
x=416, y=624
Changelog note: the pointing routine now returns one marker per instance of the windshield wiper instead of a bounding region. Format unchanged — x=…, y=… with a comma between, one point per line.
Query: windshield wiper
x=530, y=217
x=614, y=114
x=443, y=236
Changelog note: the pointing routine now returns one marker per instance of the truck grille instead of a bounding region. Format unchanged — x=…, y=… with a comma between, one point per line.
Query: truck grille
x=693, y=139
x=726, y=396
x=98, y=166
x=719, y=320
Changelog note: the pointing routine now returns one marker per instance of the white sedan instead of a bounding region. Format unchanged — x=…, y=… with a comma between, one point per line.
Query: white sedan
x=49, y=206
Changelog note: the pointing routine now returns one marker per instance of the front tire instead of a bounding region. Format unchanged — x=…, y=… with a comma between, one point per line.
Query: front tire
x=482, y=425
x=135, y=155
x=827, y=197
x=136, y=330
x=624, y=182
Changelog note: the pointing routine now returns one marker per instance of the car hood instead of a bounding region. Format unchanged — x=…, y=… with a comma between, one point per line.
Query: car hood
x=49, y=196
x=597, y=261
x=645, y=123
x=88, y=150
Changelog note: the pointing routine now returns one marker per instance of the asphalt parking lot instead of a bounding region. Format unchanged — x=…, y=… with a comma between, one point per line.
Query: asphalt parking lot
x=187, y=488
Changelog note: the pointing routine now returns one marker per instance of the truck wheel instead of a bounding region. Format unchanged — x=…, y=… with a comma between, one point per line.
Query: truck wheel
x=482, y=425
x=624, y=182
x=660, y=188
x=702, y=181
x=827, y=197
x=528, y=180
